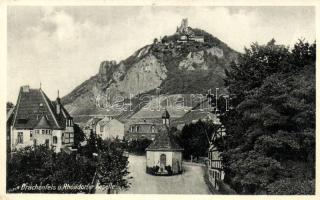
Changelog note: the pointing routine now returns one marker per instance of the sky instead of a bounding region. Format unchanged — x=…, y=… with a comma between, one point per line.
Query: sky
x=63, y=46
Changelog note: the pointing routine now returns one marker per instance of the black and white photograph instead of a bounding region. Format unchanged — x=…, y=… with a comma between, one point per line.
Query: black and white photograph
x=195, y=99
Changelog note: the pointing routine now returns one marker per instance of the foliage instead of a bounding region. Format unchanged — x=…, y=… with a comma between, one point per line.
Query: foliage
x=79, y=135
x=138, y=146
x=194, y=138
x=112, y=166
x=42, y=166
x=273, y=122
x=9, y=105
x=153, y=170
x=169, y=169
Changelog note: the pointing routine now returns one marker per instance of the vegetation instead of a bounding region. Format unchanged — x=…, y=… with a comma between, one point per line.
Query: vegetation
x=270, y=135
x=194, y=138
x=42, y=166
x=79, y=135
x=99, y=160
x=9, y=105
x=138, y=146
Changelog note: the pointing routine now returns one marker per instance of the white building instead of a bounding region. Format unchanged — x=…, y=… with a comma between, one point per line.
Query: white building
x=37, y=120
x=110, y=128
x=164, y=155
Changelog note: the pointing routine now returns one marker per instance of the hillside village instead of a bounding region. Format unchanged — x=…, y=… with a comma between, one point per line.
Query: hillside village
x=152, y=134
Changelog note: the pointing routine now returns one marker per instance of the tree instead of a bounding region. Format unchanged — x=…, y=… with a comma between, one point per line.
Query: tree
x=9, y=105
x=270, y=135
x=112, y=166
x=79, y=135
x=194, y=138
x=139, y=146
x=42, y=166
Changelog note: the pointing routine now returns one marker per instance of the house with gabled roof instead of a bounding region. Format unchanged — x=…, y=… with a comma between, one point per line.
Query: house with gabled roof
x=37, y=120
x=90, y=126
x=111, y=129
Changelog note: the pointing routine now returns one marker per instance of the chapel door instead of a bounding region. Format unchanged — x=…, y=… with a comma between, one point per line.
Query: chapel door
x=162, y=162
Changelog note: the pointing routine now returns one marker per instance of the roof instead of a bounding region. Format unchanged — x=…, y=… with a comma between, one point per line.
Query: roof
x=34, y=109
x=93, y=121
x=43, y=124
x=195, y=115
x=104, y=121
x=164, y=142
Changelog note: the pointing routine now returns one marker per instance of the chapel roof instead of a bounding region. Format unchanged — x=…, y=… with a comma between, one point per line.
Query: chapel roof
x=164, y=142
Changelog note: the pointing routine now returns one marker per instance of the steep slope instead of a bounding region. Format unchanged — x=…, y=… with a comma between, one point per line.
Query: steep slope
x=178, y=64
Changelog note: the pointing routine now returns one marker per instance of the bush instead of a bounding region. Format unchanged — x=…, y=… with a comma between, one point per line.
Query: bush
x=153, y=170
x=169, y=169
x=138, y=146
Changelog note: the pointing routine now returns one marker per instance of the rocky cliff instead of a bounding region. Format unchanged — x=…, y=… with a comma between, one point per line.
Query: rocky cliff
x=170, y=66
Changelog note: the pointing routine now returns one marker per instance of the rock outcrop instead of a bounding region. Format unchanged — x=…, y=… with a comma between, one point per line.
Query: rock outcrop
x=168, y=65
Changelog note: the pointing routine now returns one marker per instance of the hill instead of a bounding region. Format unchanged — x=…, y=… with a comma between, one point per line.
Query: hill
x=190, y=61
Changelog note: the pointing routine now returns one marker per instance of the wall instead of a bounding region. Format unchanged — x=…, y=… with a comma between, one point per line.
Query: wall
x=40, y=139
x=27, y=141
x=176, y=162
x=113, y=129
x=153, y=158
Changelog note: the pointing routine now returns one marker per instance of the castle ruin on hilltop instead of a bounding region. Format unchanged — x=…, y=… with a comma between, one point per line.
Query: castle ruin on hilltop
x=186, y=33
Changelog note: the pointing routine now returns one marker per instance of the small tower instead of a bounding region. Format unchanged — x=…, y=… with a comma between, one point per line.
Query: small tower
x=58, y=105
x=166, y=118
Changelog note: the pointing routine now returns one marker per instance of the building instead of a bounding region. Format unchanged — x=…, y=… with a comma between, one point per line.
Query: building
x=215, y=169
x=37, y=120
x=164, y=155
x=137, y=128
x=197, y=38
x=90, y=126
x=112, y=129
x=183, y=28
x=100, y=125
x=193, y=116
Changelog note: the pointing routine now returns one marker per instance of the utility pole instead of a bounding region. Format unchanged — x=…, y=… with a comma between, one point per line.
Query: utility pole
x=217, y=100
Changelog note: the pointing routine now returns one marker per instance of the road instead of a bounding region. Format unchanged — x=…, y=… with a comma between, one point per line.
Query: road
x=190, y=182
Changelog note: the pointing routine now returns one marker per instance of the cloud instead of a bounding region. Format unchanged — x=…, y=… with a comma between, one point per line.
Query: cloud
x=63, y=46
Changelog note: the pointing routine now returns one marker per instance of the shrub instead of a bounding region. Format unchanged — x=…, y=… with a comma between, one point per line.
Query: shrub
x=169, y=169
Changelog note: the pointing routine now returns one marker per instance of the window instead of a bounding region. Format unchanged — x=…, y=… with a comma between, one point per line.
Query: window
x=20, y=137
x=153, y=129
x=138, y=128
x=54, y=140
x=31, y=135
x=101, y=129
x=66, y=137
x=131, y=129
x=71, y=137
x=37, y=131
x=43, y=132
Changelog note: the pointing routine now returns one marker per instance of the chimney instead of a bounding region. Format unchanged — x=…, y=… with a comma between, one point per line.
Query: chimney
x=25, y=88
x=58, y=106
